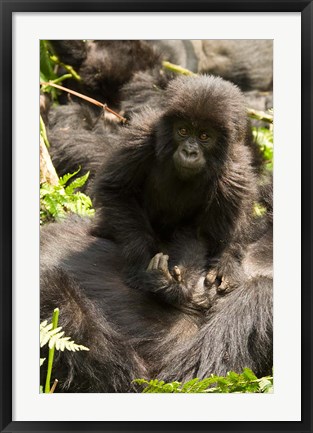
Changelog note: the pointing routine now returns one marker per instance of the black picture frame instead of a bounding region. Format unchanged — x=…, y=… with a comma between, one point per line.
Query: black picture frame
x=9, y=7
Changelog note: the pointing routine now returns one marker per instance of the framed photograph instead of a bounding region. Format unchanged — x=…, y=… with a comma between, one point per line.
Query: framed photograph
x=184, y=74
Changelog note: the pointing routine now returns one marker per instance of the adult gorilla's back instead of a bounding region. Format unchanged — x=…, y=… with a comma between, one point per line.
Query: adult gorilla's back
x=131, y=334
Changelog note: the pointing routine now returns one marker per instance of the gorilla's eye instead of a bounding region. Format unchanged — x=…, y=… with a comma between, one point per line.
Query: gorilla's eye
x=203, y=136
x=183, y=132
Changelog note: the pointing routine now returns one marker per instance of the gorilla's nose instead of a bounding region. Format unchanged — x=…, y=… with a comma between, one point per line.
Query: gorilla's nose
x=190, y=152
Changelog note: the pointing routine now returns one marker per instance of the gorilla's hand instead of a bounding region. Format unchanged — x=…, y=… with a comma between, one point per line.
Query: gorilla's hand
x=179, y=287
x=224, y=277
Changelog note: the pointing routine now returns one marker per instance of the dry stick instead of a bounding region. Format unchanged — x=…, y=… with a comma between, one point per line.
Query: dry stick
x=260, y=115
x=86, y=98
x=53, y=386
x=47, y=170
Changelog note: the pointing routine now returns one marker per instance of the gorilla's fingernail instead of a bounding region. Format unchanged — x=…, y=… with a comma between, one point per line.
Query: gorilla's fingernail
x=222, y=287
x=177, y=273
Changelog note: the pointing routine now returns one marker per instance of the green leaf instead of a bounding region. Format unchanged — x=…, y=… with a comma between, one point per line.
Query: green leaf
x=77, y=183
x=188, y=386
x=64, y=179
x=46, y=65
x=264, y=138
x=248, y=374
x=43, y=77
x=56, y=201
x=46, y=333
x=233, y=382
x=233, y=377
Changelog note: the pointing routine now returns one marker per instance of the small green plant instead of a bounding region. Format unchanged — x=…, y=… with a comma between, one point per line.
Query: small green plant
x=56, y=201
x=264, y=138
x=47, y=72
x=53, y=335
x=49, y=68
x=246, y=382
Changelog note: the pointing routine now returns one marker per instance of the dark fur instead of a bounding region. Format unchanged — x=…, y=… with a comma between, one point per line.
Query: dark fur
x=129, y=74
x=247, y=63
x=143, y=206
x=145, y=88
x=133, y=334
x=104, y=66
x=172, y=330
x=103, y=368
x=80, y=137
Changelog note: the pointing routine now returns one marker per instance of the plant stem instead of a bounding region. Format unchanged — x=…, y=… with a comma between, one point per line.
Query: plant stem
x=55, y=319
x=177, y=69
x=62, y=78
x=69, y=68
x=44, y=132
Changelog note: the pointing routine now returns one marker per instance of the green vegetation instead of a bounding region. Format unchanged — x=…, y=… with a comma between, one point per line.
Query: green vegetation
x=49, y=68
x=264, y=138
x=53, y=335
x=57, y=201
x=246, y=382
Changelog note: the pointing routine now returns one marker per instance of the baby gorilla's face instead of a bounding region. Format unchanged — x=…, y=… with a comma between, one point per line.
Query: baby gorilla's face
x=192, y=142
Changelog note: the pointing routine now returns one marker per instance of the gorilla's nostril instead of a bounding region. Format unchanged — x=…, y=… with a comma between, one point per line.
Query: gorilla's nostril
x=190, y=153
x=185, y=152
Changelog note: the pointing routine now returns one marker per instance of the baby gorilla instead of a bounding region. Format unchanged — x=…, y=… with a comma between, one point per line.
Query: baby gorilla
x=184, y=287
x=182, y=175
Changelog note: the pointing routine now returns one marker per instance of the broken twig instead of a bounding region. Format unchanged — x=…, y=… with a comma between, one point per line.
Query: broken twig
x=86, y=98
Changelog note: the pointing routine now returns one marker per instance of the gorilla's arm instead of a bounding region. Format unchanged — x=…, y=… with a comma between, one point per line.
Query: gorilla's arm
x=120, y=214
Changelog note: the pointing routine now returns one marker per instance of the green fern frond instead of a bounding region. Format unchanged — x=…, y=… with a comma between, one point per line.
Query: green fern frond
x=55, y=338
x=246, y=382
x=46, y=332
x=66, y=343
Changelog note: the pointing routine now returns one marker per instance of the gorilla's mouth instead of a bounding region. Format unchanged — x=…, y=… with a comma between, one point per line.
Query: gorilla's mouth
x=188, y=165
